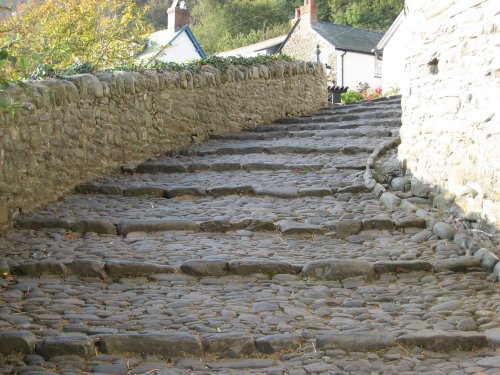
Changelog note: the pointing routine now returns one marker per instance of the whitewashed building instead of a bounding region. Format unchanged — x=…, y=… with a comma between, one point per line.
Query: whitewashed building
x=177, y=42
x=390, y=52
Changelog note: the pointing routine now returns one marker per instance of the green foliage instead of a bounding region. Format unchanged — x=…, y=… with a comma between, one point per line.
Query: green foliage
x=220, y=26
x=155, y=12
x=8, y=104
x=221, y=63
x=59, y=34
x=351, y=96
x=366, y=14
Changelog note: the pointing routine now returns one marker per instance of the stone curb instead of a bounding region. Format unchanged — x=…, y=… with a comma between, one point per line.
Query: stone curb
x=325, y=269
x=172, y=344
x=123, y=228
x=483, y=258
x=348, y=116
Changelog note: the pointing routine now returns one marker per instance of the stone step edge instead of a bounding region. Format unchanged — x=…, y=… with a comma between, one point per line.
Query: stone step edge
x=339, y=228
x=167, y=168
x=231, y=345
x=485, y=257
x=331, y=269
x=215, y=191
x=300, y=134
x=347, y=108
x=273, y=150
x=320, y=126
x=367, y=116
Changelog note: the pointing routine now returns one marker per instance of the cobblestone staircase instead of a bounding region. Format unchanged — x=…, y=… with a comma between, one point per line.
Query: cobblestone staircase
x=265, y=252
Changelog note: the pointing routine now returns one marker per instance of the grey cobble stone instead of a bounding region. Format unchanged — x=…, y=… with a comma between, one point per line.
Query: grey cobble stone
x=66, y=344
x=17, y=342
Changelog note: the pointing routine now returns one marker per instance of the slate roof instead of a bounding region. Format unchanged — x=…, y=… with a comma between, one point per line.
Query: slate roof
x=347, y=37
x=252, y=49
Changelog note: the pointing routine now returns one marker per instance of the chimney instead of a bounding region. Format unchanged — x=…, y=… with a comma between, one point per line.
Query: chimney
x=178, y=15
x=308, y=13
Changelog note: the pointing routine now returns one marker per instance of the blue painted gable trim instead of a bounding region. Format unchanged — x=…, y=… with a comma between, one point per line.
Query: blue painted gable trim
x=192, y=38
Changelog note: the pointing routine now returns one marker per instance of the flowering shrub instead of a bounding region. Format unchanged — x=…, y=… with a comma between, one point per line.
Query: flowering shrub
x=363, y=92
x=367, y=92
x=371, y=93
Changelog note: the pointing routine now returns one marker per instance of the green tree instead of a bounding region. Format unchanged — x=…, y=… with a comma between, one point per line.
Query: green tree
x=155, y=12
x=367, y=14
x=221, y=25
x=62, y=33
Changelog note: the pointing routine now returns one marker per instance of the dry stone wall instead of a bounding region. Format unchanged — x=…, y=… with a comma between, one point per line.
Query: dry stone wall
x=86, y=125
x=450, y=136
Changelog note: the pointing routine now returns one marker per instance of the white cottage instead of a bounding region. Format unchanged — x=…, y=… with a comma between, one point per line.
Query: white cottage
x=177, y=42
x=390, y=52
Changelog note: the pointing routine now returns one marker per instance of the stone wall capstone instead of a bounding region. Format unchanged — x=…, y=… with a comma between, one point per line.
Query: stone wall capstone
x=85, y=125
x=450, y=136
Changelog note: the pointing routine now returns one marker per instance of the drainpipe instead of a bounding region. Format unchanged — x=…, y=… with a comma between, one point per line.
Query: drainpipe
x=342, y=66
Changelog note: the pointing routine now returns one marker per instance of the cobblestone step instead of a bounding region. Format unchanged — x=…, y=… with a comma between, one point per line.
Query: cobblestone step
x=323, y=269
x=365, y=131
x=160, y=167
x=240, y=315
x=273, y=255
x=365, y=116
x=283, y=146
x=174, y=247
x=250, y=163
x=158, y=191
x=386, y=124
x=222, y=210
x=357, y=108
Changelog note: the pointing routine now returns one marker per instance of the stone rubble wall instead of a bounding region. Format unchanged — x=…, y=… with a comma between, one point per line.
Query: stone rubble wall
x=450, y=138
x=88, y=125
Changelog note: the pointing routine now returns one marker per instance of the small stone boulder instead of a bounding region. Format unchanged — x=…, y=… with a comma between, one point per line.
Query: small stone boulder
x=486, y=258
x=401, y=184
x=444, y=231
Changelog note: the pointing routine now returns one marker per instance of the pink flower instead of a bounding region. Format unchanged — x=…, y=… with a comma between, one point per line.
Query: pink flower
x=378, y=90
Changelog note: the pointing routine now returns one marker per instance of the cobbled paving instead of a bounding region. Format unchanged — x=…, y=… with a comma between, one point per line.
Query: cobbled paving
x=255, y=253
